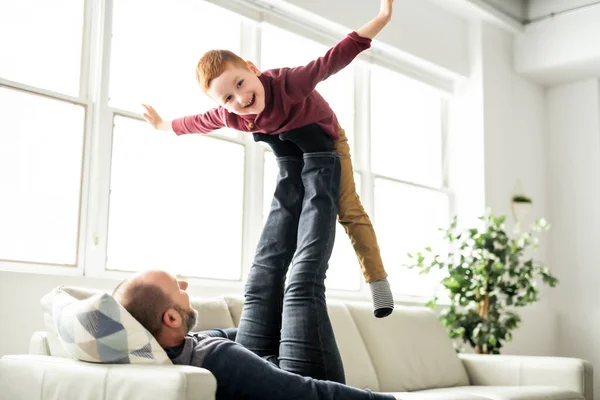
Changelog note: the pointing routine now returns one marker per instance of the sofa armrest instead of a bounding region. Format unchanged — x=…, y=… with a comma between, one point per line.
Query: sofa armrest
x=504, y=370
x=25, y=377
x=38, y=344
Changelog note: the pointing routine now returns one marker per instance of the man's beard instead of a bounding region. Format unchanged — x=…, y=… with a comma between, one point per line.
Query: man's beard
x=190, y=318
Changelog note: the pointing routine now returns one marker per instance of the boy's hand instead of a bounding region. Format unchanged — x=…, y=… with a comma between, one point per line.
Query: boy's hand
x=386, y=8
x=152, y=117
x=373, y=27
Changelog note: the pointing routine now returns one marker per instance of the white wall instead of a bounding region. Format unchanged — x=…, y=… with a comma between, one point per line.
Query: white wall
x=515, y=152
x=514, y=127
x=418, y=28
x=498, y=139
x=574, y=196
x=561, y=49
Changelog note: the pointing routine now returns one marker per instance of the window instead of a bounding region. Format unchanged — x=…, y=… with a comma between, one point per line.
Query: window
x=407, y=219
x=40, y=43
x=41, y=146
x=155, y=63
x=406, y=129
x=175, y=202
x=168, y=209
x=411, y=203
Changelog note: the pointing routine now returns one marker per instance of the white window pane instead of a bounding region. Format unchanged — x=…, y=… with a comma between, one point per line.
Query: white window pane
x=155, y=61
x=281, y=48
x=406, y=129
x=176, y=203
x=40, y=178
x=40, y=43
x=344, y=270
x=407, y=219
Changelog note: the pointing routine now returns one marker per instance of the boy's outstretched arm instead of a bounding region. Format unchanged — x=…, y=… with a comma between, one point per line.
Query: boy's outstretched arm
x=200, y=123
x=152, y=117
x=374, y=26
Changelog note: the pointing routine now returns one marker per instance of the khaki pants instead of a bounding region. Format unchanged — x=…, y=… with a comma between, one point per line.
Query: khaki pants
x=355, y=220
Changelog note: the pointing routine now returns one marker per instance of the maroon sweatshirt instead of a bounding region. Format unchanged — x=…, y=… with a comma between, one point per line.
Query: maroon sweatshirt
x=291, y=100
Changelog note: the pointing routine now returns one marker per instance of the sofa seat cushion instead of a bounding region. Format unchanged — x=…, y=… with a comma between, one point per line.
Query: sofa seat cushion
x=494, y=393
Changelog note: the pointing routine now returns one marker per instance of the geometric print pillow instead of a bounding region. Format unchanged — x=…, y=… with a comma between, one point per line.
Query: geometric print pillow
x=99, y=330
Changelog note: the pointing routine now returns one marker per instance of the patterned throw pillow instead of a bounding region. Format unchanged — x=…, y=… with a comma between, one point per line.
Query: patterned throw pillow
x=98, y=329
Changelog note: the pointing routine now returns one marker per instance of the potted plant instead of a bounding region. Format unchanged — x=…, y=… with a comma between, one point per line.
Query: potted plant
x=488, y=275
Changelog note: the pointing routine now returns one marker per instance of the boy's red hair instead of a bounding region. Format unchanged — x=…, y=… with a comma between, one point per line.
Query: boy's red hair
x=213, y=63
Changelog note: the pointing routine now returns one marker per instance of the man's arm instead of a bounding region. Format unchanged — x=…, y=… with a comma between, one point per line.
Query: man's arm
x=301, y=81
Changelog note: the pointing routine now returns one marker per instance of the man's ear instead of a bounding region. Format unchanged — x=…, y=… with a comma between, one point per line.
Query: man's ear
x=253, y=68
x=172, y=318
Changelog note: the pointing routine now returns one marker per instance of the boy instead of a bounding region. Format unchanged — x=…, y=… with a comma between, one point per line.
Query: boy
x=281, y=107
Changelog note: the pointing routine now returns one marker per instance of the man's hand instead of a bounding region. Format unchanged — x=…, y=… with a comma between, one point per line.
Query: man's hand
x=152, y=117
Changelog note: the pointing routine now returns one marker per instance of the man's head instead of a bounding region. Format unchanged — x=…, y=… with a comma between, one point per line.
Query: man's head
x=159, y=301
x=231, y=82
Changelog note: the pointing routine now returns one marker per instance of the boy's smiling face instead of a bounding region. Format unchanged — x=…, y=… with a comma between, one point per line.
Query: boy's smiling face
x=239, y=90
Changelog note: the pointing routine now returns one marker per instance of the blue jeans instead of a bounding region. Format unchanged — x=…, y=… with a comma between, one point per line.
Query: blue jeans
x=290, y=323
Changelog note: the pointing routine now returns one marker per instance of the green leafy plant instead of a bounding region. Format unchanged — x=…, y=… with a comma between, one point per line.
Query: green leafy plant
x=487, y=275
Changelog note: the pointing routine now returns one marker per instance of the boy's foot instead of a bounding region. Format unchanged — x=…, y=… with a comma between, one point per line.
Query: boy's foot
x=383, y=300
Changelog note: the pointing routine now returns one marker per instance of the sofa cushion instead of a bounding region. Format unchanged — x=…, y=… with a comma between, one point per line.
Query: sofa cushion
x=54, y=345
x=358, y=367
x=98, y=329
x=212, y=313
x=410, y=350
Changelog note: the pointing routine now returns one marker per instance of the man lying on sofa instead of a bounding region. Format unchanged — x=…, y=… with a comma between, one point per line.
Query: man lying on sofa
x=285, y=347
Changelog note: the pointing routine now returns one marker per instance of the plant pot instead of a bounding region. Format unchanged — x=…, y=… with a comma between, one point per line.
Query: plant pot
x=520, y=211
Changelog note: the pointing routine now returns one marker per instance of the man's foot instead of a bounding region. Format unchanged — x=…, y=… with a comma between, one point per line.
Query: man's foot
x=309, y=138
x=279, y=147
x=383, y=300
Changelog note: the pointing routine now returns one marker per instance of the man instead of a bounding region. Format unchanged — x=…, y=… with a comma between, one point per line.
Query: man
x=287, y=325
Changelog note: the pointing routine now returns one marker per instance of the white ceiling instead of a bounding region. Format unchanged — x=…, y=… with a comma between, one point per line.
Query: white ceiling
x=526, y=11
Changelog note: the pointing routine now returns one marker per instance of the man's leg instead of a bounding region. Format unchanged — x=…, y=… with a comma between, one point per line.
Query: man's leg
x=308, y=345
x=260, y=324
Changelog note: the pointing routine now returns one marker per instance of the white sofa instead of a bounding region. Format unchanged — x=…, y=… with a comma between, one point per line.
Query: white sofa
x=408, y=354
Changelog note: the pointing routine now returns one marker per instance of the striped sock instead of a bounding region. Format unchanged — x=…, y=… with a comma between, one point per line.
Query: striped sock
x=383, y=301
